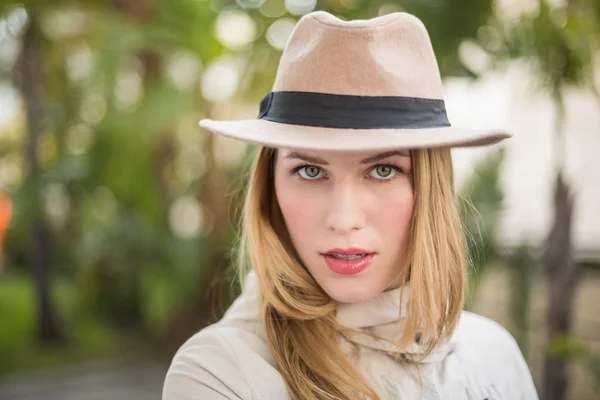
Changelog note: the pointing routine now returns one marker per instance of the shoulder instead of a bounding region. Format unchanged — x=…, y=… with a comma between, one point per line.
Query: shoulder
x=206, y=366
x=221, y=362
x=486, y=340
x=492, y=354
x=480, y=331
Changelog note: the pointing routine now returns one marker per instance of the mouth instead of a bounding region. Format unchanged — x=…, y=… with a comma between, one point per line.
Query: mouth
x=347, y=257
x=348, y=262
x=348, y=254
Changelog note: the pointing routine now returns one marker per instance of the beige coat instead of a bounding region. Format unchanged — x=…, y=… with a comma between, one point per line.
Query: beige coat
x=231, y=359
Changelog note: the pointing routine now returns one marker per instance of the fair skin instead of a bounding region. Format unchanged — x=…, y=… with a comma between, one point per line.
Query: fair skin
x=358, y=199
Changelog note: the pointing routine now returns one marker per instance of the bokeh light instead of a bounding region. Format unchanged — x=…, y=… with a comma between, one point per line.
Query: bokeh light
x=235, y=29
x=183, y=70
x=279, y=32
x=221, y=79
x=93, y=108
x=300, y=7
x=186, y=217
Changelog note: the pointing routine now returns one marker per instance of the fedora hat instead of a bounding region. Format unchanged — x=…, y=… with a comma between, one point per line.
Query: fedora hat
x=355, y=85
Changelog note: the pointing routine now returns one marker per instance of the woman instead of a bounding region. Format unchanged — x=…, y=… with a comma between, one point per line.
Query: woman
x=356, y=253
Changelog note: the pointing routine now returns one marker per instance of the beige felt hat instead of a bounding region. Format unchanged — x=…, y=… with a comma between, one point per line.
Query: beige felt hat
x=355, y=85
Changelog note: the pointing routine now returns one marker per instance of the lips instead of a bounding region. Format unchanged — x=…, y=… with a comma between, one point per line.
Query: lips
x=347, y=252
x=348, y=261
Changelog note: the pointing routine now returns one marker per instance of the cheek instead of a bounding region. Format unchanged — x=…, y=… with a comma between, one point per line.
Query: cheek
x=296, y=212
x=395, y=213
x=300, y=209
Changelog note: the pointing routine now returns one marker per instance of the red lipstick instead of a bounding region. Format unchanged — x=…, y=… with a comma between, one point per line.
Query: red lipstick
x=348, y=261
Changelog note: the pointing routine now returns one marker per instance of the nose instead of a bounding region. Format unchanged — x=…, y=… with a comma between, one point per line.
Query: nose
x=346, y=211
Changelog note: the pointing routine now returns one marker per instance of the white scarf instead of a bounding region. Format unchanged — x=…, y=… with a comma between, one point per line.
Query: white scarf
x=382, y=316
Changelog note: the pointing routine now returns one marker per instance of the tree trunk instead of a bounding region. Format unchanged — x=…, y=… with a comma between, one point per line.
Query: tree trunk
x=142, y=11
x=561, y=274
x=28, y=76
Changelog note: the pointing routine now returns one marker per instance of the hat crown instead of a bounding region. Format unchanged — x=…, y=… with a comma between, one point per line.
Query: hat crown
x=390, y=55
x=355, y=85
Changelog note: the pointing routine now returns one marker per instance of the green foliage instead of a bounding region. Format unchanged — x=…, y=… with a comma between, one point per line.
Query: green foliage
x=560, y=41
x=90, y=336
x=16, y=314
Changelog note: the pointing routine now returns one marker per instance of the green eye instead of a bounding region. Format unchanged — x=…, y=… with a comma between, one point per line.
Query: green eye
x=384, y=171
x=310, y=172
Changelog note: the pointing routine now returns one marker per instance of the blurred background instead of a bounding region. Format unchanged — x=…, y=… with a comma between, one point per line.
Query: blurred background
x=117, y=210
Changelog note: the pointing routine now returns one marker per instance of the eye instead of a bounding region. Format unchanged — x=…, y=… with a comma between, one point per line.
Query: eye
x=309, y=172
x=383, y=172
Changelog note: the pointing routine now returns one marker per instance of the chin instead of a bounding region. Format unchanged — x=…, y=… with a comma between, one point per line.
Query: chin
x=349, y=289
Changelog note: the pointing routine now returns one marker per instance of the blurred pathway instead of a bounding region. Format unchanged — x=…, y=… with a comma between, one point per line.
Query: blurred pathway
x=95, y=381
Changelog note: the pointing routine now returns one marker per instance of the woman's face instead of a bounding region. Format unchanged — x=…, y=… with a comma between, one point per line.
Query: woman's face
x=338, y=203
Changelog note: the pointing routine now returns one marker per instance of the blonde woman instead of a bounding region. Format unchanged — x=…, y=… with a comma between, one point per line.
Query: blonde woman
x=356, y=256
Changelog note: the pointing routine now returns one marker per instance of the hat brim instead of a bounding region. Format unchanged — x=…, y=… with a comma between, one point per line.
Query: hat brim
x=279, y=135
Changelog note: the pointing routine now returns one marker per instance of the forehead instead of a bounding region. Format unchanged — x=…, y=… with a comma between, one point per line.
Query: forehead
x=327, y=156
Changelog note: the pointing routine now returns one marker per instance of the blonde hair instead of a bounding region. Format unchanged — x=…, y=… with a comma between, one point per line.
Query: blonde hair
x=300, y=318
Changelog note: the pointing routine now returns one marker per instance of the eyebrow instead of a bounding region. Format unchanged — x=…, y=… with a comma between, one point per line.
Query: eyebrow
x=317, y=160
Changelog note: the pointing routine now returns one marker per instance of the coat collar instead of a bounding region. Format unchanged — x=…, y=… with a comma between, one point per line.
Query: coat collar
x=383, y=316
x=385, y=308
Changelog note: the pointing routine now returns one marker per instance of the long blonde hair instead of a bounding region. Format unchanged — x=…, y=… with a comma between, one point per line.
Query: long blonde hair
x=300, y=318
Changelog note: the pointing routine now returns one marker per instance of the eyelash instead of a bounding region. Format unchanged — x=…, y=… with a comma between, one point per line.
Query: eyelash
x=296, y=169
